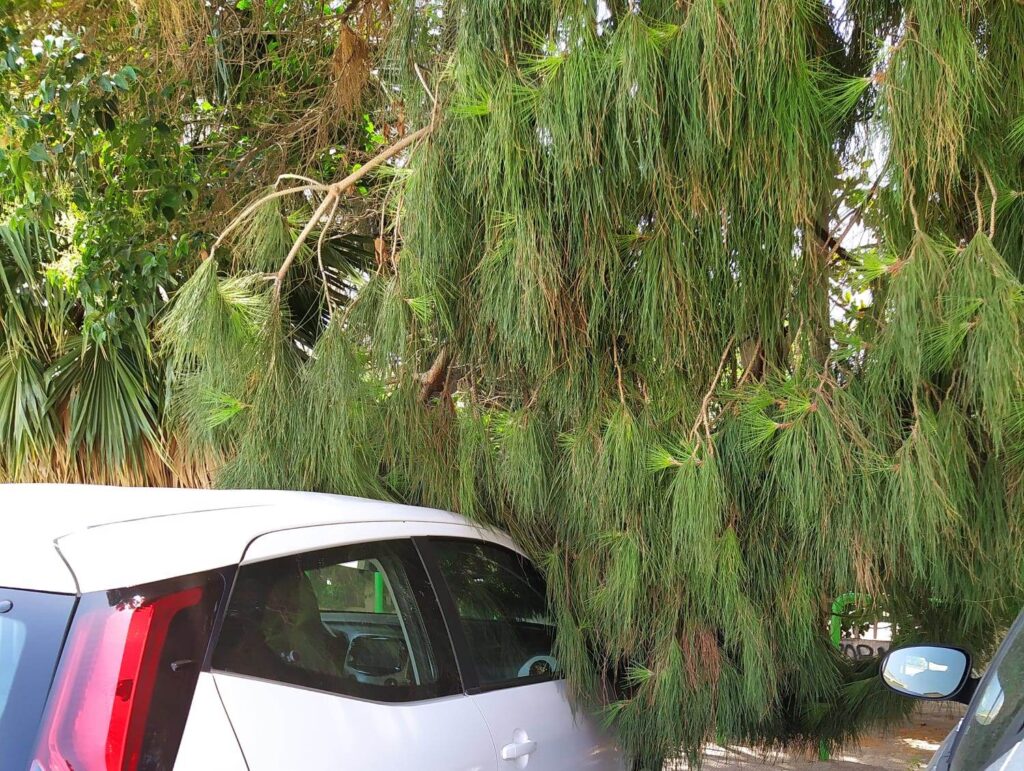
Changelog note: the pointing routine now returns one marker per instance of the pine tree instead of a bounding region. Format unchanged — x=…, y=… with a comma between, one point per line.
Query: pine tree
x=614, y=309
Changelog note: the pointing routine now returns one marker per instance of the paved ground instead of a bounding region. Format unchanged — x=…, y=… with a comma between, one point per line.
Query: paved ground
x=906, y=748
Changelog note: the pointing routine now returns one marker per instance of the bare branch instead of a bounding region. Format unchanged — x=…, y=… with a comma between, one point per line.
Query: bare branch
x=320, y=257
x=298, y=177
x=434, y=378
x=336, y=189
x=995, y=198
x=257, y=204
x=340, y=187
x=702, y=416
x=329, y=201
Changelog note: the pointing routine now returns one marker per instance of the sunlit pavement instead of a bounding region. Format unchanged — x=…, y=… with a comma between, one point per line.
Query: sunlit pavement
x=906, y=747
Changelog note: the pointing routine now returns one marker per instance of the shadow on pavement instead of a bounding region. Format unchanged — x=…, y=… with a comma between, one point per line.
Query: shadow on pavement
x=906, y=747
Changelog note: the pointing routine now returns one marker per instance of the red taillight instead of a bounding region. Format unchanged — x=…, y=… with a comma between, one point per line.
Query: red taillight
x=116, y=658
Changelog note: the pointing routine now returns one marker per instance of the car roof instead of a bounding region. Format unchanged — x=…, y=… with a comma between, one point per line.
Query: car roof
x=51, y=533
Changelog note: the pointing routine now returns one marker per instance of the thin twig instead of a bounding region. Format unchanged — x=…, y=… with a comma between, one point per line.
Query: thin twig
x=995, y=198
x=423, y=82
x=433, y=99
x=320, y=257
x=379, y=241
x=335, y=189
x=396, y=233
x=702, y=416
x=618, y=372
x=257, y=204
x=979, y=209
x=297, y=177
x=913, y=213
x=855, y=216
x=750, y=365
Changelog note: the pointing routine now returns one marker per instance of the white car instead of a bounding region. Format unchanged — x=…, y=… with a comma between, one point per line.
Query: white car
x=155, y=629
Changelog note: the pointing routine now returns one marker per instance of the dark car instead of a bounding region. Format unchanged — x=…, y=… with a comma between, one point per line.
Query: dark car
x=991, y=735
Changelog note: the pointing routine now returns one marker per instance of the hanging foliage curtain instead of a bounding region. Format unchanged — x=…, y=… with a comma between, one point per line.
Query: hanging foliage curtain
x=618, y=315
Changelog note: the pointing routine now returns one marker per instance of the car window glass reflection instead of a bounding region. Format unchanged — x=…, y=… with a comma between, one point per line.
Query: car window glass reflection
x=501, y=601
x=359, y=620
x=929, y=672
x=994, y=729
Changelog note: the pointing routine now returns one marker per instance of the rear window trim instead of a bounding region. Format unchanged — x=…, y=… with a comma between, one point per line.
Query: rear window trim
x=460, y=694
x=453, y=625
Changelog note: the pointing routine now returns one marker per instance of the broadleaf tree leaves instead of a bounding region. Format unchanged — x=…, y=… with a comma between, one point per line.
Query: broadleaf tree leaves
x=38, y=153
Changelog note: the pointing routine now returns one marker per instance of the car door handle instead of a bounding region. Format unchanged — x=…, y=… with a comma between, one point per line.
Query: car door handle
x=517, y=750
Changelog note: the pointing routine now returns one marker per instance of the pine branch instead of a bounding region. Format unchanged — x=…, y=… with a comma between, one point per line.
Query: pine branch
x=835, y=243
x=334, y=192
x=702, y=416
x=350, y=10
x=251, y=208
x=433, y=379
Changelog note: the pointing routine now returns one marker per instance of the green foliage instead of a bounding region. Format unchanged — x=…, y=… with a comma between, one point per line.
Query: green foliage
x=715, y=306
x=110, y=187
x=126, y=134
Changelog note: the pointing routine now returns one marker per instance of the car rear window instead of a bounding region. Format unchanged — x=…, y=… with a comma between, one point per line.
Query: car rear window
x=32, y=629
x=358, y=620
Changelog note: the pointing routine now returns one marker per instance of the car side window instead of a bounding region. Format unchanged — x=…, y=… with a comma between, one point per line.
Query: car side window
x=358, y=620
x=501, y=603
x=992, y=731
